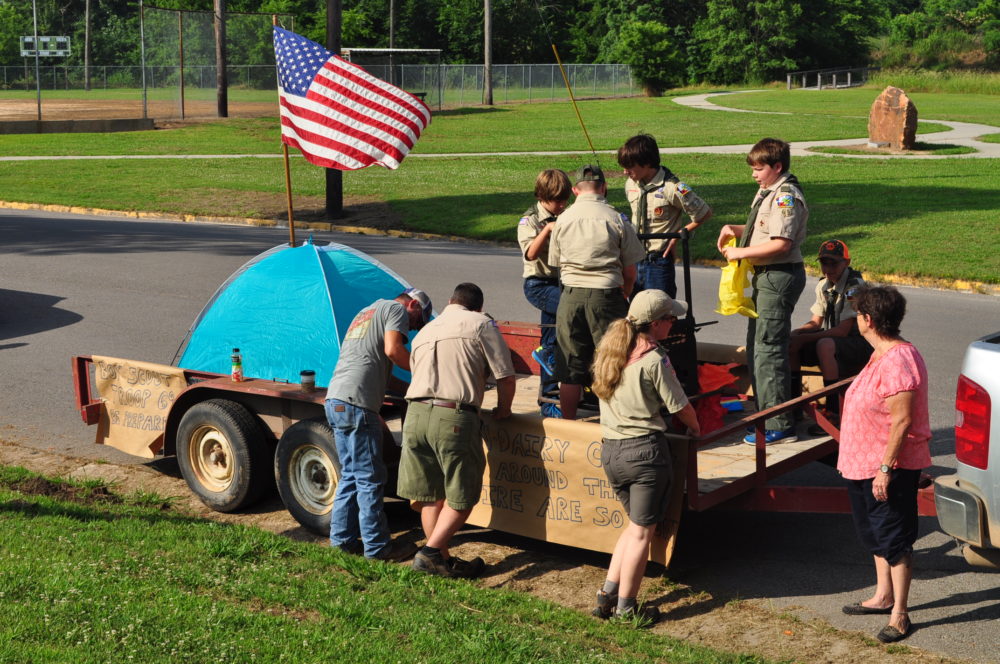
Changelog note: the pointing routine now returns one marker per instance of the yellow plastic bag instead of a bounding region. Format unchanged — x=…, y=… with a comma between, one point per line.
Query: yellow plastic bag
x=733, y=286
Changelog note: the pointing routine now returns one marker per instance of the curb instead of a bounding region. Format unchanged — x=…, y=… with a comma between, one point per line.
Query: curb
x=919, y=282
x=245, y=221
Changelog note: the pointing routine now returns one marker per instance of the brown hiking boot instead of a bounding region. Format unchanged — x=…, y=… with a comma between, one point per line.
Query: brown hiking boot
x=453, y=568
x=605, y=605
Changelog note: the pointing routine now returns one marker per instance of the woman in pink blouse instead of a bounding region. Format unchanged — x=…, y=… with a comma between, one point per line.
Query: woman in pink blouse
x=884, y=444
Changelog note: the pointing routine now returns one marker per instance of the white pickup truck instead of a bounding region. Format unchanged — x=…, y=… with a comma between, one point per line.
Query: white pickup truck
x=968, y=502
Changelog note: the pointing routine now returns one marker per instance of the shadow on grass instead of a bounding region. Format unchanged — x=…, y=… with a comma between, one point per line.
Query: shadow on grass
x=468, y=110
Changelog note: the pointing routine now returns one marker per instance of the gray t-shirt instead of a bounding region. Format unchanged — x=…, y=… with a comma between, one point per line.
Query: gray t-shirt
x=363, y=368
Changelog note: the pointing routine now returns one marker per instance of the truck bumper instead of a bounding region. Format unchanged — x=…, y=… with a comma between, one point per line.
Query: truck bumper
x=960, y=512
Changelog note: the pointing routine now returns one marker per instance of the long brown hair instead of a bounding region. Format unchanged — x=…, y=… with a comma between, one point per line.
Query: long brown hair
x=612, y=355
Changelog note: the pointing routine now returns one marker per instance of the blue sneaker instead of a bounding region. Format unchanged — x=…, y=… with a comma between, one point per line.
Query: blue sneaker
x=551, y=410
x=544, y=360
x=772, y=436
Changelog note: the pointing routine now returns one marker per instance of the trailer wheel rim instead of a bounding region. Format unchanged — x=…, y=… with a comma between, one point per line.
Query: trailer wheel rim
x=211, y=456
x=312, y=479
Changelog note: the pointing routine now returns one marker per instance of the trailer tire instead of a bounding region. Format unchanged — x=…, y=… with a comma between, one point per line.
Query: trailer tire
x=223, y=454
x=306, y=470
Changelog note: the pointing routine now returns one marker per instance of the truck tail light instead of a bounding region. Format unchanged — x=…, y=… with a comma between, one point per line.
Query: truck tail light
x=972, y=424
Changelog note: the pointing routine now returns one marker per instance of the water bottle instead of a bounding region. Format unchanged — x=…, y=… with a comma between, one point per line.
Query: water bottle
x=237, y=371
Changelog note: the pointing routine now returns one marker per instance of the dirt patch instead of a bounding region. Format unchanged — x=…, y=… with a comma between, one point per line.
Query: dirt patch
x=560, y=574
x=98, y=109
x=40, y=486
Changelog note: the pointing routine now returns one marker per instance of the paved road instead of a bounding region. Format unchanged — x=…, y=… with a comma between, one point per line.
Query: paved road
x=80, y=285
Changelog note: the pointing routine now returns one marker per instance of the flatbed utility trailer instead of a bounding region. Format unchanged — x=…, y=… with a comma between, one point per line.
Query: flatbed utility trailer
x=235, y=441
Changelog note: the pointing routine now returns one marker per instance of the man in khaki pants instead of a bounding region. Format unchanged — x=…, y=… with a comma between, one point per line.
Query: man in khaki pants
x=442, y=463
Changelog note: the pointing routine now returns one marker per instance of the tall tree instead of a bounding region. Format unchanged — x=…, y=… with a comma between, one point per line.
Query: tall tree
x=751, y=40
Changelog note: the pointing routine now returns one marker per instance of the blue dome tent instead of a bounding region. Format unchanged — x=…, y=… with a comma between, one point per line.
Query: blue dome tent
x=287, y=310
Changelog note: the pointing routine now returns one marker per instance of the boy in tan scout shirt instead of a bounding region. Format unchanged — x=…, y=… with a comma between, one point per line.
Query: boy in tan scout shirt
x=660, y=202
x=830, y=338
x=595, y=249
x=771, y=240
x=541, y=280
x=442, y=462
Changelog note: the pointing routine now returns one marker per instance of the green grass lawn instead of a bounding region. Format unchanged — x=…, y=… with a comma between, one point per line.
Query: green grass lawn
x=89, y=576
x=512, y=128
x=902, y=217
x=856, y=102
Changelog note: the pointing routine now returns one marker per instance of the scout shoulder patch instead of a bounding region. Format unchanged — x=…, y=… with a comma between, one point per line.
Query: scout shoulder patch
x=786, y=201
x=683, y=189
x=524, y=221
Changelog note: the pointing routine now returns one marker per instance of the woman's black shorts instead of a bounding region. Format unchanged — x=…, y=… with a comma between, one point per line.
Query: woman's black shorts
x=887, y=528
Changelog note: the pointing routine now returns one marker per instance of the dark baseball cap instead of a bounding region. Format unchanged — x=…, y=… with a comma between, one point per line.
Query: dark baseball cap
x=834, y=249
x=588, y=173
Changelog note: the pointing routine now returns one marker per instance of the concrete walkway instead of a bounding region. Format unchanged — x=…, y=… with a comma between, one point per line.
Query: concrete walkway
x=960, y=133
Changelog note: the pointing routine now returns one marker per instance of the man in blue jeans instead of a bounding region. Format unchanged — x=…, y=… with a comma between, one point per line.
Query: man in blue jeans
x=375, y=341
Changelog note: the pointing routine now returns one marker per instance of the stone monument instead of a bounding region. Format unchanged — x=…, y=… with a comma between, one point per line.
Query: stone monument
x=892, y=121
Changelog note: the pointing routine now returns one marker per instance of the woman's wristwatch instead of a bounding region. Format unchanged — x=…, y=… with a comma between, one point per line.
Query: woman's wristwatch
x=884, y=469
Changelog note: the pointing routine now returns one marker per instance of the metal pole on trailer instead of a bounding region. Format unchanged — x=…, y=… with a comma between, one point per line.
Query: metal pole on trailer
x=334, y=178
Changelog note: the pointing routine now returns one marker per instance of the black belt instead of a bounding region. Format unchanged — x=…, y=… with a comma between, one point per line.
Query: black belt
x=548, y=280
x=454, y=405
x=781, y=267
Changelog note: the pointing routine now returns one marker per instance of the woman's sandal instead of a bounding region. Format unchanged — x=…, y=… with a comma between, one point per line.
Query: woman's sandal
x=890, y=634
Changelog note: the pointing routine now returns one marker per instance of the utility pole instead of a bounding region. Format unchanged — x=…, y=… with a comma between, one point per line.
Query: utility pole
x=334, y=178
x=221, y=84
x=86, y=45
x=487, y=53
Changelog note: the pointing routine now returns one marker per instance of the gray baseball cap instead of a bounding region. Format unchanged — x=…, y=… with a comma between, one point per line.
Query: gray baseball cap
x=423, y=299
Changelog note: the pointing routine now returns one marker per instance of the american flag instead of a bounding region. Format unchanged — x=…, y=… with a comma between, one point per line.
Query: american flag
x=339, y=115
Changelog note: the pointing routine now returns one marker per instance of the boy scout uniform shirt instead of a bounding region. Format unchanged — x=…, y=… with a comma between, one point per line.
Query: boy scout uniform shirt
x=592, y=243
x=782, y=214
x=531, y=224
x=831, y=300
x=667, y=199
x=634, y=409
x=453, y=355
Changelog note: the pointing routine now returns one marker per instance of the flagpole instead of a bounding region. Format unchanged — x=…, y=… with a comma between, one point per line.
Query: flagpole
x=288, y=171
